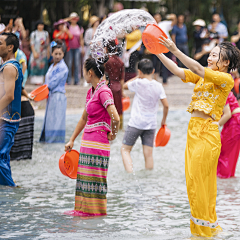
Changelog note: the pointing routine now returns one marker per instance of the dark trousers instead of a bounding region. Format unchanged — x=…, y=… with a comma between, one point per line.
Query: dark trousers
x=183, y=48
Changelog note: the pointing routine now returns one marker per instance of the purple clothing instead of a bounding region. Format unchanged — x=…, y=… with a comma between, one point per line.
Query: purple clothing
x=96, y=104
x=76, y=32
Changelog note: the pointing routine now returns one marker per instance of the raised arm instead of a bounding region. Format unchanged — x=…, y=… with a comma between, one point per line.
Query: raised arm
x=171, y=66
x=190, y=63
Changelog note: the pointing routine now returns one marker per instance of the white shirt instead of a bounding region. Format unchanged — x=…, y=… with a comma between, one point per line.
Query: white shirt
x=145, y=103
x=221, y=29
x=166, y=26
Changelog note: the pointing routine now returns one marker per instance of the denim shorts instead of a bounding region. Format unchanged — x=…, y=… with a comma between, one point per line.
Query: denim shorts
x=131, y=135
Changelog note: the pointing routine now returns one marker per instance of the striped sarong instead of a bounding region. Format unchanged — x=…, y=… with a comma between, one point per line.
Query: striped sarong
x=91, y=186
x=23, y=139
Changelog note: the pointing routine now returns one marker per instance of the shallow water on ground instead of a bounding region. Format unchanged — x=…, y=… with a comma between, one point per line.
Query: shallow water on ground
x=144, y=205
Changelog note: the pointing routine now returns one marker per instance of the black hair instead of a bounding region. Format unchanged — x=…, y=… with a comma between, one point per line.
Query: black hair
x=229, y=52
x=96, y=66
x=60, y=44
x=38, y=22
x=111, y=46
x=145, y=66
x=180, y=14
x=12, y=39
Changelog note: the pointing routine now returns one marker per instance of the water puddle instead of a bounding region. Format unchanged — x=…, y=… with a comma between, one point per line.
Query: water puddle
x=145, y=205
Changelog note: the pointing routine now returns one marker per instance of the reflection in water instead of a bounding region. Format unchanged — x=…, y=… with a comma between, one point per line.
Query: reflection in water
x=147, y=205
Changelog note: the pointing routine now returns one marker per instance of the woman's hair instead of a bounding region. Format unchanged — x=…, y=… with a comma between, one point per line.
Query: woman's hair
x=57, y=43
x=111, y=46
x=231, y=53
x=96, y=66
x=38, y=22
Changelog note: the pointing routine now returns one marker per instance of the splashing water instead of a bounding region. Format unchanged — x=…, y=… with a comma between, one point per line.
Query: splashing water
x=117, y=25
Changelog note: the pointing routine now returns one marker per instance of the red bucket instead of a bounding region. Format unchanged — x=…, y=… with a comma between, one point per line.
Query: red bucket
x=150, y=38
x=236, y=85
x=40, y=93
x=68, y=164
x=125, y=103
x=162, y=137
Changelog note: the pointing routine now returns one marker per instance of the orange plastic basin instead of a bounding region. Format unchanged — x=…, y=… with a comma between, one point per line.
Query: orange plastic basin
x=125, y=103
x=68, y=164
x=236, y=85
x=162, y=137
x=150, y=38
x=40, y=93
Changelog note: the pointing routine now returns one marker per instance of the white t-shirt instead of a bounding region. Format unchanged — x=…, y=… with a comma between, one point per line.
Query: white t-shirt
x=166, y=26
x=145, y=103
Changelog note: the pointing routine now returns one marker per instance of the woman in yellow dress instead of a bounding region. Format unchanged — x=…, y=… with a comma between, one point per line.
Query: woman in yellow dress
x=212, y=86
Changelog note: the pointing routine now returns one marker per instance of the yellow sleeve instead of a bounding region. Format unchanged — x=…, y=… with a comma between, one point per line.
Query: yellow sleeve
x=135, y=35
x=190, y=76
x=21, y=60
x=221, y=79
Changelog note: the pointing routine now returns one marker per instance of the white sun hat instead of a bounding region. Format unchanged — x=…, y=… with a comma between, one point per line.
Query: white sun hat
x=199, y=22
x=73, y=15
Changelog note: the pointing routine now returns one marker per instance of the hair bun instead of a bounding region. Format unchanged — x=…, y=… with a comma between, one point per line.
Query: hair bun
x=102, y=60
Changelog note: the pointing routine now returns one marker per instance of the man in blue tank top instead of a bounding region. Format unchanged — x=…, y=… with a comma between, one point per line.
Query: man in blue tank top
x=10, y=103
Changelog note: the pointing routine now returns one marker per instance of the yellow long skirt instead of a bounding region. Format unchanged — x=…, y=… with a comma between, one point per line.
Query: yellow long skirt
x=201, y=159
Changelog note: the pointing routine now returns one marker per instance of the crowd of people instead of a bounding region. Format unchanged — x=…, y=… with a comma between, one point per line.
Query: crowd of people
x=208, y=154
x=76, y=40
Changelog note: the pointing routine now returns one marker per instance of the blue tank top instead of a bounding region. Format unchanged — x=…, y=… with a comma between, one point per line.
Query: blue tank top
x=12, y=113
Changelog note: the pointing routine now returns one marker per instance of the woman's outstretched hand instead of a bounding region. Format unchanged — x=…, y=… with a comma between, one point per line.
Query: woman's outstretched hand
x=69, y=146
x=169, y=44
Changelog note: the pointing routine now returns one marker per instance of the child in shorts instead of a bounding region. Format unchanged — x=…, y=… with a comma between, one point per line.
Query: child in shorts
x=143, y=121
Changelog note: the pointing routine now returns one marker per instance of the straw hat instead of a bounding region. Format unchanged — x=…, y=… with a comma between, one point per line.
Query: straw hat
x=93, y=19
x=199, y=22
x=73, y=15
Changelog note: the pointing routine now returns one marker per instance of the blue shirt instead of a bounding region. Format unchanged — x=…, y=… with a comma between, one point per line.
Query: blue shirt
x=221, y=29
x=56, y=77
x=21, y=58
x=181, y=34
x=12, y=113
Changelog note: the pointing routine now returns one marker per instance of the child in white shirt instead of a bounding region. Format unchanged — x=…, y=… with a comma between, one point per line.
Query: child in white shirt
x=143, y=121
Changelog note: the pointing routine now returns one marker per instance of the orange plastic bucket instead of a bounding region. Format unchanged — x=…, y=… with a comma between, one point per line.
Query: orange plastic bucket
x=68, y=164
x=150, y=38
x=162, y=137
x=40, y=93
x=236, y=85
x=125, y=103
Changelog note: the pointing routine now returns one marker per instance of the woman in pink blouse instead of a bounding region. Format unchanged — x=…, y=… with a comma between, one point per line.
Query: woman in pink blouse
x=101, y=122
x=230, y=138
x=74, y=45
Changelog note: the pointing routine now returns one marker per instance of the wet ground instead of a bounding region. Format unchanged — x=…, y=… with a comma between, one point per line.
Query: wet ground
x=144, y=205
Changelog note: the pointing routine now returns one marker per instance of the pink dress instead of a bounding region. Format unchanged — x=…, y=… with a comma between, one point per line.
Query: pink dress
x=230, y=138
x=91, y=186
